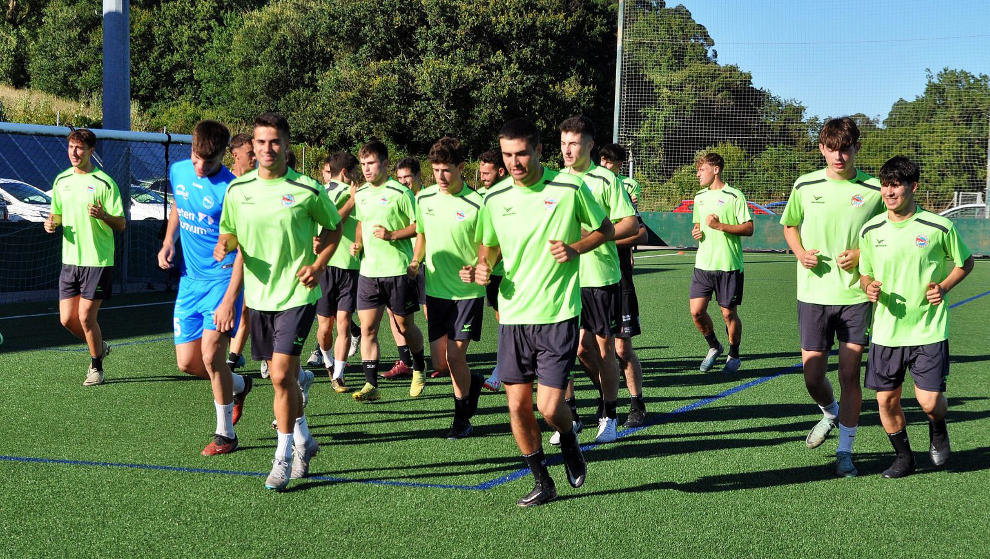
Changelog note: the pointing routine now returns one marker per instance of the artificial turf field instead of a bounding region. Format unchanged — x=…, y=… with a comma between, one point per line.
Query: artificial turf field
x=722, y=469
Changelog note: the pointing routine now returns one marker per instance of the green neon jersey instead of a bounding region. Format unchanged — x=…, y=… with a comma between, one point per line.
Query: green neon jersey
x=450, y=224
x=600, y=267
x=633, y=189
x=393, y=206
x=86, y=241
x=339, y=194
x=717, y=250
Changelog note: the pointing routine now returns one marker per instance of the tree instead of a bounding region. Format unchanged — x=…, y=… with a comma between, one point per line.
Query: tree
x=67, y=57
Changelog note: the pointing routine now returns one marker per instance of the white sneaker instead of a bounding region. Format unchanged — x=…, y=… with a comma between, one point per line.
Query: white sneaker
x=355, y=345
x=264, y=369
x=306, y=378
x=315, y=358
x=94, y=377
x=606, y=430
x=555, y=438
x=732, y=365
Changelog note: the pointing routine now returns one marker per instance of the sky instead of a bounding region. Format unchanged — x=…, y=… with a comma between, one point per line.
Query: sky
x=841, y=57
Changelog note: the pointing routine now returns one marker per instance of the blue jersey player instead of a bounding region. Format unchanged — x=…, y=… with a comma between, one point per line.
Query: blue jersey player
x=208, y=305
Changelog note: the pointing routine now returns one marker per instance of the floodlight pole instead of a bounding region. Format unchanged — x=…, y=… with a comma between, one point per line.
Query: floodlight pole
x=618, y=72
x=116, y=65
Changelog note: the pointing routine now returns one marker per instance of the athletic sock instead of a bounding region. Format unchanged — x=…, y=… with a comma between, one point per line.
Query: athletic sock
x=568, y=439
x=460, y=409
x=610, y=409
x=637, y=403
x=419, y=361
x=238, y=383
x=734, y=351
x=338, y=369
x=712, y=340
x=406, y=356
x=474, y=392
x=830, y=411
x=328, y=360
x=225, y=419
x=300, y=431
x=572, y=404
x=96, y=363
x=283, y=450
x=846, y=436
x=371, y=372
x=233, y=357
x=600, y=413
x=900, y=442
x=355, y=330
x=538, y=465
x=937, y=430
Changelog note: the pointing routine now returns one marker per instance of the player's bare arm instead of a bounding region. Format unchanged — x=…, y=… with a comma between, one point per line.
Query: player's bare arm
x=563, y=252
x=223, y=315
x=357, y=245
x=116, y=222
x=52, y=222
x=741, y=230
x=696, y=232
x=419, y=253
x=225, y=243
x=936, y=291
x=406, y=232
x=807, y=258
x=167, y=253
x=871, y=287
x=626, y=227
x=848, y=259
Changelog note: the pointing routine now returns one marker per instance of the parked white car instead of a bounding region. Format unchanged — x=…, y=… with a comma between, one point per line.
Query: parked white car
x=966, y=210
x=24, y=202
x=146, y=204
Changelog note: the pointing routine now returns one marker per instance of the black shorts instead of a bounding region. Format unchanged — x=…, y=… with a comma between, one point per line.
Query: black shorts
x=458, y=320
x=91, y=282
x=601, y=310
x=727, y=286
x=280, y=331
x=629, y=326
x=421, y=286
x=339, y=288
x=491, y=291
x=820, y=324
x=544, y=352
x=929, y=365
x=399, y=293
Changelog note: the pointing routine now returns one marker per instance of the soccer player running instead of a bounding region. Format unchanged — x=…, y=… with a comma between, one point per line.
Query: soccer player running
x=720, y=218
x=447, y=216
x=208, y=304
x=535, y=218
x=339, y=282
x=904, y=270
x=271, y=214
x=824, y=214
x=601, y=295
x=386, y=214
x=242, y=153
x=491, y=169
x=86, y=204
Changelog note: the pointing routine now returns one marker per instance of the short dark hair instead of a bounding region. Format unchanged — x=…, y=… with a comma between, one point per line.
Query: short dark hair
x=290, y=158
x=83, y=135
x=239, y=140
x=899, y=170
x=493, y=157
x=520, y=129
x=374, y=146
x=579, y=124
x=410, y=163
x=713, y=159
x=614, y=153
x=341, y=161
x=275, y=121
x=210, y=139
x=839, y=133
x=447, y=150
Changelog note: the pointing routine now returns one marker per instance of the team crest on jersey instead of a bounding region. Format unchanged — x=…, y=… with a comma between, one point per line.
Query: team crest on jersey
x=90, y=188
x=721, y=202
x=207, y=202
x=288, y=200
x=383, y=201
x=857, y=201
x=921, y=241
x=459, y=215
x=549, y=204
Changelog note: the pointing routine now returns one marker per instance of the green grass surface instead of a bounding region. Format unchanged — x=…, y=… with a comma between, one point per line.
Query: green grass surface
x=732, y=477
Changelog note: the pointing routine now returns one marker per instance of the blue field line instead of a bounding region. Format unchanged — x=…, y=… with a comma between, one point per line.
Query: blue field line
x=115, y=344
x=973, y=298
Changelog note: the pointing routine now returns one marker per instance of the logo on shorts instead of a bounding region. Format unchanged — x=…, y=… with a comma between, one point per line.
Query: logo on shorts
x=207, y=202
x=383, y=201
x=299, y=341
x=921, y=241
x=466, y=328
x=459, y=215
x=549, y=204
x=288, y=200
x=857, y=201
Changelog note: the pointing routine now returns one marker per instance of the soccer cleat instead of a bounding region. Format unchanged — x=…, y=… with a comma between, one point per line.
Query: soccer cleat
x=459, y=430
x=636, y=418
x=542, y=493
x=264, y=369
x=239, y=399
x=274, y=425
x=338, y=385
x=315, y=358
x=606, y=430
x=220, y=445
x=400, y=369
x=731, y=365
x=819, y=432
x=417, y=384
x=368, y=393
x=106, y=349
x=903, y=465
x=574, y=465
x=301, y=455
x=278, y=479
x=435, y=374
x=492, y=383
x=844, y=465
x=555, y=438
x=94, y=377
x=355, y=345
x=709, y=361
x=235, y=361
x=306, y=378
x=939, y=450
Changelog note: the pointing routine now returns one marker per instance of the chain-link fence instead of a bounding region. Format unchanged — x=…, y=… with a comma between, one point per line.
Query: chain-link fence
x=32, y=156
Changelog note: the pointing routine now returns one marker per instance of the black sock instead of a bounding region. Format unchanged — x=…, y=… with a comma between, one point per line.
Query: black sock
x=96, y=363
x=355, y=329
x=371, y=372
x=568, y=439
x=233, y=357
x=900, y=442
x=405, y=355
x=460, y=409
x=637, y=403
x=537, y=464
x=477, y=381
x=937, y=430
x=734, y=351
x=418, y=361
x=610, y=409
x=712, y=340
x=600, y=412
x=572, y=405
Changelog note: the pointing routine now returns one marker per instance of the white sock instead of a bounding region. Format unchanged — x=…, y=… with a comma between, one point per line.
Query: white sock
x=301, y=430
x=284, y=449
x=830, y=411
x=238, y=383
x=327, y=358
x=225, y=419
x=846, y=436
x=338, y=369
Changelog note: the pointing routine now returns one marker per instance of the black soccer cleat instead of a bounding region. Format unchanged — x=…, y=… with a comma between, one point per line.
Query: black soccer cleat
x=574, y=465
x=636, y=418
x=939, y=450
x=542, y=493
x=902, y=466
x=459, y=430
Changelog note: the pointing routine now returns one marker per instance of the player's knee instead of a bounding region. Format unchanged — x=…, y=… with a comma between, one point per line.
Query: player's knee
x=68, y=320
x=888, y=402
x=698, y=314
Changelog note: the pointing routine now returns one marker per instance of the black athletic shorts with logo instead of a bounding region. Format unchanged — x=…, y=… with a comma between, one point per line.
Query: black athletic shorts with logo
x=94, y=283
x=821, y=324
x=280, y=331
x=601, y=310
x=929, y=365
x=339, y=288
x=629, y=326
x=726, y=285
x=421, y=286
x=399, y=293
x=491, y=291
x=458, y=320
x=540, y=352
